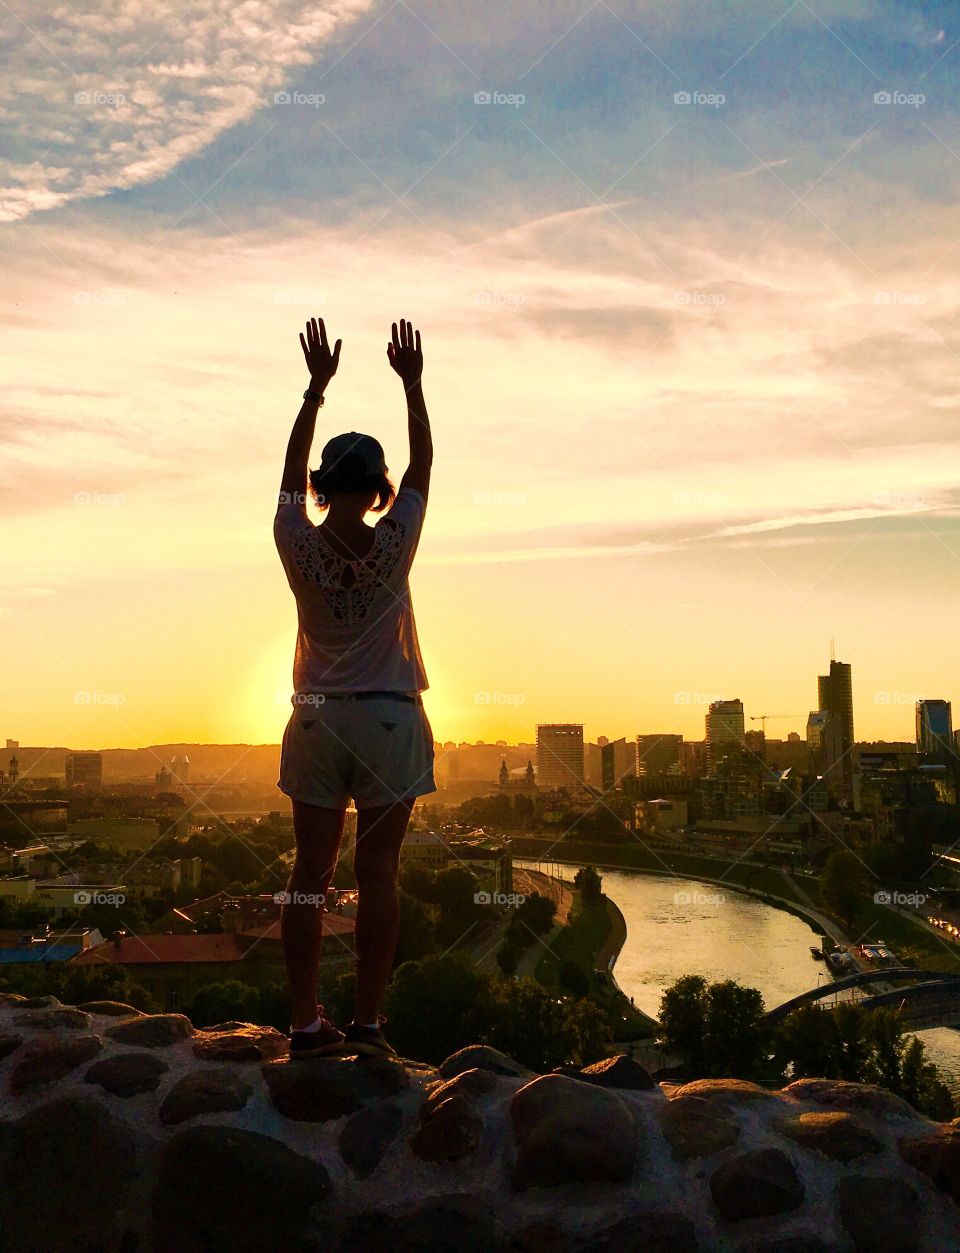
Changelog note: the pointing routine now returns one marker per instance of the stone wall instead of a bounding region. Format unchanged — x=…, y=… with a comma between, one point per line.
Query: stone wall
x=130, y=1133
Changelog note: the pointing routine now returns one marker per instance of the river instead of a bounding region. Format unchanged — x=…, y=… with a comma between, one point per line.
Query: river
x=681, y=926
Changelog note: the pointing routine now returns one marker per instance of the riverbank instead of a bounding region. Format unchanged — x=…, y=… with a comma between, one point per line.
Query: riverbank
x=820, y=923
x=667, y=861
x=579, y=956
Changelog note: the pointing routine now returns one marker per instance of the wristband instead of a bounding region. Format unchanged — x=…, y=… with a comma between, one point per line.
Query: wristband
x=312, y=395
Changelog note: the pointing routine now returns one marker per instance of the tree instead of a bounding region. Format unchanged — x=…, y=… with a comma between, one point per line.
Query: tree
x=222, y=1002
x=508, y=955
x=415, y=938
x=735, y=1036
x=806, y=1042
x=588, y=1030
x=716, y=1030
x=683, y=1016
x=274, y=1004
x=864, y=1046
x=588, y=883
x=842, y=884
x=419, y=882
x=572, y=979
x=526, y=1022
x=535, y=914
x=436, y=1006
x=853, y=1049
x=922, y=1086
x=524, y=808
x=456, y=890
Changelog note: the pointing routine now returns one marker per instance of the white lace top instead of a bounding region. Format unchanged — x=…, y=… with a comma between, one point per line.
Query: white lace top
x=356, y=629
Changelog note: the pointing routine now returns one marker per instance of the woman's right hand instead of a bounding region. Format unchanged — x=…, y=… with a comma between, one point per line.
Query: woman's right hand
x=405, y=353
x=321, y=362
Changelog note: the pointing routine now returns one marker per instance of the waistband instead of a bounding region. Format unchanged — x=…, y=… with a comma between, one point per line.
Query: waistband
x=320, y=698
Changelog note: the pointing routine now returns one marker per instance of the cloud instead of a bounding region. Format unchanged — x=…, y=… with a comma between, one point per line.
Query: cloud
x=116, y=94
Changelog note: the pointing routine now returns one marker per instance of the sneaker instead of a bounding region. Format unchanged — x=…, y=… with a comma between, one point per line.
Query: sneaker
x=367, y=1041
x=322, y=1042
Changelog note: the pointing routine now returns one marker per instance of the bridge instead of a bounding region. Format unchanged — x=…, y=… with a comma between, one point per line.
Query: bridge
x=922, y=1005
x=933, y=995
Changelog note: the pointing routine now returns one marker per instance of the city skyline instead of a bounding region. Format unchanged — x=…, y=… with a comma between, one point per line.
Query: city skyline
x=690, y=334
x=729, y=720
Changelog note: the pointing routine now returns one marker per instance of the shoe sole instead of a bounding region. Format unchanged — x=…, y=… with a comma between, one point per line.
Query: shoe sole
x=368, y=1050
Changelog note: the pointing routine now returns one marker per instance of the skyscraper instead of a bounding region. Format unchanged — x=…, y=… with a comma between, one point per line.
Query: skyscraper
x=835, y=697
x=724, y=730
x=841, y=767
x=935, y=729
x=618, y=761
x=658, y=754
x=823, y=745
x=560, y=754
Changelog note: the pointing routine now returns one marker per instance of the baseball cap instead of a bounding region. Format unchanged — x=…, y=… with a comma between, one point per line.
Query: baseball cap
x=368, y=449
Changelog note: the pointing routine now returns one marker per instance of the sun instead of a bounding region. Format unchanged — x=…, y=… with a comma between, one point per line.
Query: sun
x=263, y=704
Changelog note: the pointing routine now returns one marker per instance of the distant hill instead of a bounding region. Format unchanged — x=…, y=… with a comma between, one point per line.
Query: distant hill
x=231, y=763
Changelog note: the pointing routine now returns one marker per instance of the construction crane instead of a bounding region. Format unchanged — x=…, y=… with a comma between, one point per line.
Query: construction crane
x=763, y=719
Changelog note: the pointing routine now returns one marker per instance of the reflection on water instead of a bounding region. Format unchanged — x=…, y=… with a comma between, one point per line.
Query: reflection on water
x=943, y=1048
x=680, y=926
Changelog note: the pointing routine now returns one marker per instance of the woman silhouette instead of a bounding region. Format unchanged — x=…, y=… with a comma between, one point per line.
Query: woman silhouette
x=358, y=728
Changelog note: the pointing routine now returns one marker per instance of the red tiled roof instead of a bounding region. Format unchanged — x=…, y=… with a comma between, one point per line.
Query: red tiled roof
x=337, y=924
x=333, y=924
x=135, y=950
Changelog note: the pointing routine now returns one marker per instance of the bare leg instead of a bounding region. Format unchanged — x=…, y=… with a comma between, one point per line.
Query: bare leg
x=380, y=833
x=318, y=833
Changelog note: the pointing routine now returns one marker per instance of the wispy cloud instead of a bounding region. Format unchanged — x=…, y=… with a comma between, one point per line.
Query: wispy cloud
x=116, y=94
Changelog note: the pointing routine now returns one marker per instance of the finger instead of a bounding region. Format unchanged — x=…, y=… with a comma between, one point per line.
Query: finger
x=418, y=342
x=315, y=336
x=303, y=344
x=323, y=335
x=336, y=354
x=396, y=337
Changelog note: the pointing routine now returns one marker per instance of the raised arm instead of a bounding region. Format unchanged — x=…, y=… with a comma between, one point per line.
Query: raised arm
x=406, y=357
x=322, y=365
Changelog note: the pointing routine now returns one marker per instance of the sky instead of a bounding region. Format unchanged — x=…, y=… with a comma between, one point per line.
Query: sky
x=687, y=282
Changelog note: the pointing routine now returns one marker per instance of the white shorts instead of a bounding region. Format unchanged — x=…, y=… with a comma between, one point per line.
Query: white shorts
x=376, y=751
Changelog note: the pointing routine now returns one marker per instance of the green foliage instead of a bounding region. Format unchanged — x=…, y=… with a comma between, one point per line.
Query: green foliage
x=455, y=890
x=436, y=1006
x=864, y=1046
x=338, y=992
x=416, y=936
x=508, y=956
x=572, y=979
x=486, y=811
x=683, y=1021
x=13, y=914
x=588, y=883
x=579, y=941
x=716, y=1029
x=221, y=1002
x=735, y=1034
x=533, y=917
x=443, y=1003
x=75, y=984
x=418, y=882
